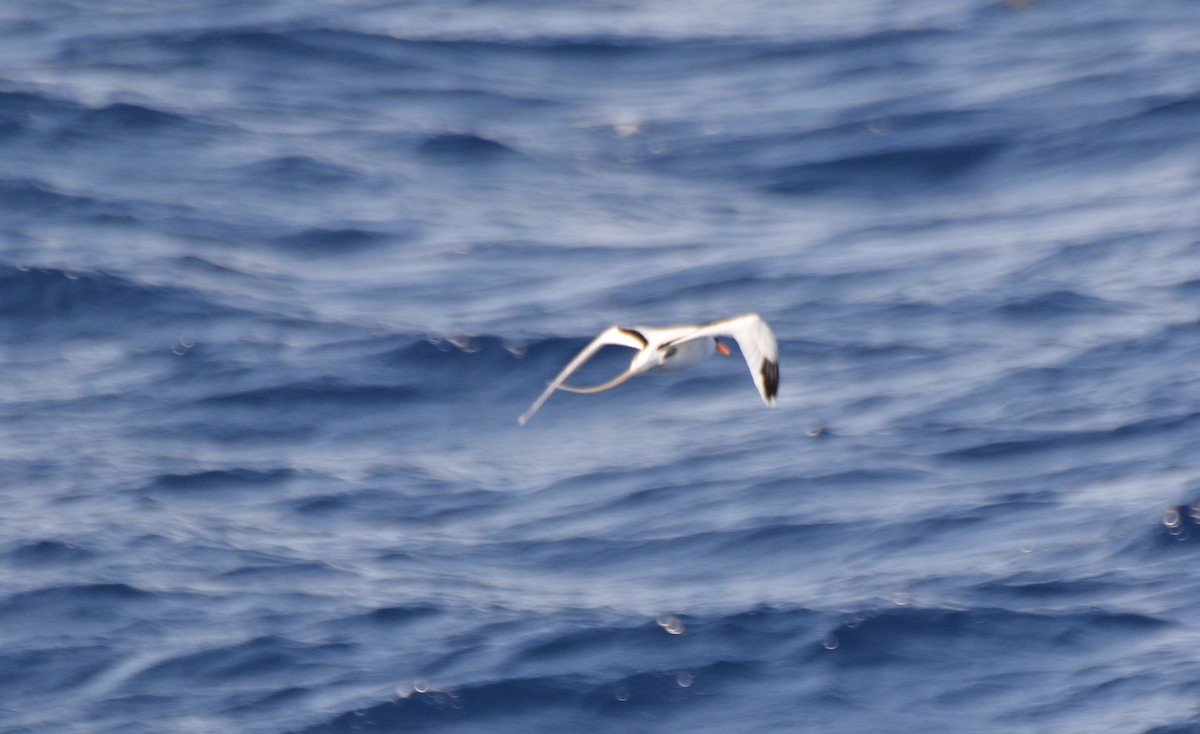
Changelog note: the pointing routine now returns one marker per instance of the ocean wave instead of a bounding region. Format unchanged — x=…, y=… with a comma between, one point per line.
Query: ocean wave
x=1055, y=304
x=465, y=148
x=895, y=171
x=29, y=112
x=47, y=553
x=394, y=616
x=45, y=303
x=625, y=675
x=1022, y=589
x=297, y=172
x=1171, y=105
x=82, y=605
x=453, y=355
x=307, y=45
x=35, y=200
x=230, y=46
x=264, y=660
x=306, y=395
x=427, y=708
x=56, y=121
x=729, y=280
x=123, y=118
x=614, y=672
x=1030, y=443
x=317, y=241
x=279, y=277
x=280, y=574
x=212, y=480
x=893, y=636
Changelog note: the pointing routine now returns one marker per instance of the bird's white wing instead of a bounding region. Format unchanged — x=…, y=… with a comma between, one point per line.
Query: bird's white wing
x=757, y=342
x=652, y=337
x=613, y=335
x=656, y=336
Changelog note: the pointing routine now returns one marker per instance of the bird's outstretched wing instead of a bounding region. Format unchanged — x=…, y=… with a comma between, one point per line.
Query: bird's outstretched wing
x=613, y=335
x=757, y=342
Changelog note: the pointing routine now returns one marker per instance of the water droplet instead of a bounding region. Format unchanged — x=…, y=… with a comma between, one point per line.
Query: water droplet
x=463, y=343
x=671, y=623
x=830, y=642
x=621, y=694
x=420, y=685
x=814, y=429
x=627, y=126
x=684, y=679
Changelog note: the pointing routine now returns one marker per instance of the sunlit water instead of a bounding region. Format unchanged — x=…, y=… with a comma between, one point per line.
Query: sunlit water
x=277, y=278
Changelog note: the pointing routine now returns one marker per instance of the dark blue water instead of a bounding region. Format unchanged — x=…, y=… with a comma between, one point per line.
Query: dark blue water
x=277, y=278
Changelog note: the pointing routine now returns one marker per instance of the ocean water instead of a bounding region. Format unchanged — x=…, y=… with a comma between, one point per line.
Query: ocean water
x=277, y=278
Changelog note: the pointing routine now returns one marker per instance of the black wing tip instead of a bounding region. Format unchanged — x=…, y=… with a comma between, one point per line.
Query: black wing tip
x=770, y=375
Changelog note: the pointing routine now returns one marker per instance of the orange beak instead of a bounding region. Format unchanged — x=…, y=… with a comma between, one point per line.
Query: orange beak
x=723, y=349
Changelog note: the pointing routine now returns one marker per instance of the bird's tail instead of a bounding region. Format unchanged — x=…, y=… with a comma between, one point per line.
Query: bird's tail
x=599, y=388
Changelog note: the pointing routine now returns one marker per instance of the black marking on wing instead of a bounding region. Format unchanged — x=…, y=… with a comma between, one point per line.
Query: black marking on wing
x=770, y=374
x=635, y=334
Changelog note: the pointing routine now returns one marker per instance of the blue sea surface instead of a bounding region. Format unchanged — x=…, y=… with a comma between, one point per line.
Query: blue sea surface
x=277, y=278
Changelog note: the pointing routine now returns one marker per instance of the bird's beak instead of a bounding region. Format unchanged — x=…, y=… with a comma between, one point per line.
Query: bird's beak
x=723, y=349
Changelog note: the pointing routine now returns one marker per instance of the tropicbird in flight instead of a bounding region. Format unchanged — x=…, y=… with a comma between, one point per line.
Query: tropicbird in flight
x=674, y=348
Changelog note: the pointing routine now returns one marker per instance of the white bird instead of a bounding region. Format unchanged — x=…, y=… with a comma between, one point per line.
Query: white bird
x=674, y=348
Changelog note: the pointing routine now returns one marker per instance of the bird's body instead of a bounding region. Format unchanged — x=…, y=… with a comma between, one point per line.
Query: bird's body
x=675, y=348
